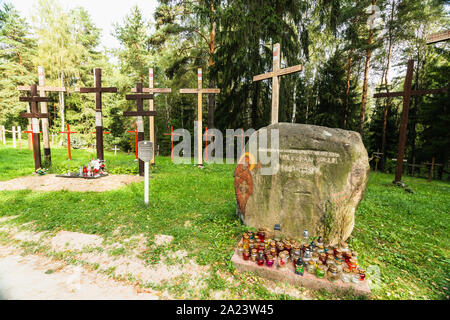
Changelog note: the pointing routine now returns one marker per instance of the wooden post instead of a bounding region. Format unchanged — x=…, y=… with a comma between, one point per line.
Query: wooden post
x=35, y=115
x=171, y=134
x=13, y=131
x=406, y=94
x=200, y=91
x=3, y=135
x=19, y=134
x=140, y=113
x=430, y=178
x=276, y=73
x=98, y=90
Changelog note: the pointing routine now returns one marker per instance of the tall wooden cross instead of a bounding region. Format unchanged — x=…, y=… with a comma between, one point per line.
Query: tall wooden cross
x=200, y=91
x=276, y=73
x=140, y=96
x=42, y=90
x=406, y=94
x=34, y=99
x=32, y=140
x=152, y=90
x=98, y=90
x=68, y=132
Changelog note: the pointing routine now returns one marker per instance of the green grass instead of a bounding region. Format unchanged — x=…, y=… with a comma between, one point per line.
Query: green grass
x=15, y=162
x=405, y=235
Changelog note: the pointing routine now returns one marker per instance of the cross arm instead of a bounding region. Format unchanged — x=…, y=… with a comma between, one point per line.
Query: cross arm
x=34, y=99
x=278, y=73
x=39, y=88
x=92, y=90
x=139, y=113
x=199, y=90
x=138, y=96
x=154, y=90
x=34, y=115
x=413, y=93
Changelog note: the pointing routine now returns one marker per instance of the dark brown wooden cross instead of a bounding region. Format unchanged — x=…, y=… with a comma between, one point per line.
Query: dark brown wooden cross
x=35, y=115
x=140, y=96
x=406, y=94
x=98, y=90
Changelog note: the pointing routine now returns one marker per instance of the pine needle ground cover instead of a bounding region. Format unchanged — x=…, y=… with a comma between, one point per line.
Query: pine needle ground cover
x=405, y=235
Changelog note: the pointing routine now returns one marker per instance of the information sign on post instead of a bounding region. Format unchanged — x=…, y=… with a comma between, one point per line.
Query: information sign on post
x=145, y=153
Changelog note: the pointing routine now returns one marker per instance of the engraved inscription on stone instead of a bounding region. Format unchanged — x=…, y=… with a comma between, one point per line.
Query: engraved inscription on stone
x=304, y=162
x=145, y=150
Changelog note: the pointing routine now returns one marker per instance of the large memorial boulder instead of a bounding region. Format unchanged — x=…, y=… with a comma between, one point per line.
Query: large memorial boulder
x=315, y=180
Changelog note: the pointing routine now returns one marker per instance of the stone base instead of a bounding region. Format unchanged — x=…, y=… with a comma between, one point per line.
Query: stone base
x=307, y=280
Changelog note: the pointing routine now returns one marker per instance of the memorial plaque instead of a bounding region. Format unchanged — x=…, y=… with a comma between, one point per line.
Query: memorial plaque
x=145, y=150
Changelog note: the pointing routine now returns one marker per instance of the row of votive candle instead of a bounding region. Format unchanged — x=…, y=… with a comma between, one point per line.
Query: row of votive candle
x=324, y=261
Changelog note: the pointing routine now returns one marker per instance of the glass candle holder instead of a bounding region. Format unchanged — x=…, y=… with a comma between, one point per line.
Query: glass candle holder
x=269, y=261
x=362, y=275
x=305, y=237
x=352, y=264
x=310, y=267
x=333, y=274
x=246, y=255
x=277, y=232
x=323, y=257
x=320, y=272
x=346, y=275
x=261, y=234
x=299, y=267
x=260, y=262
x=254, y=255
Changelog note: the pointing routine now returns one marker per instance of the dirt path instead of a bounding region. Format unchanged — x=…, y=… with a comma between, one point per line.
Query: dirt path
x=34, y=277
x=51, y=182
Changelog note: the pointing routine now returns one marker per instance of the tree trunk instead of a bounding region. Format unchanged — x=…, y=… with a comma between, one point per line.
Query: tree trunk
x=294, y=106
x=61, y=102
x=212, y=35
x=388, y=99
x=366, y=75
x=347, y=92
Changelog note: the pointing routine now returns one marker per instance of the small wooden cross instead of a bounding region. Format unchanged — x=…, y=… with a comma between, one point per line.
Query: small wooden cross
x=275, y=75
x=171, y=134
x=98, y=90
x=199, y=91
x=135, y=138
x=68, y=132
x=34, y=99
x=115, y=149
x=152, y=90
x=406, y=94
x=140, y=96
x=42, y=89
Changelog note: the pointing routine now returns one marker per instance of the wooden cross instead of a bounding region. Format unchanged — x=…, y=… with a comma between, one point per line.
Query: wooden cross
x=115, y=149
x=34, y=99
x=68, y=132
x=199, y=91
x=140, y=96
x=275, y=75
x=3, y=134
x=42, y=89
x=135, y=139
x=406, y=94
x=98, y=90
x=171, y=134
x=152, y=90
